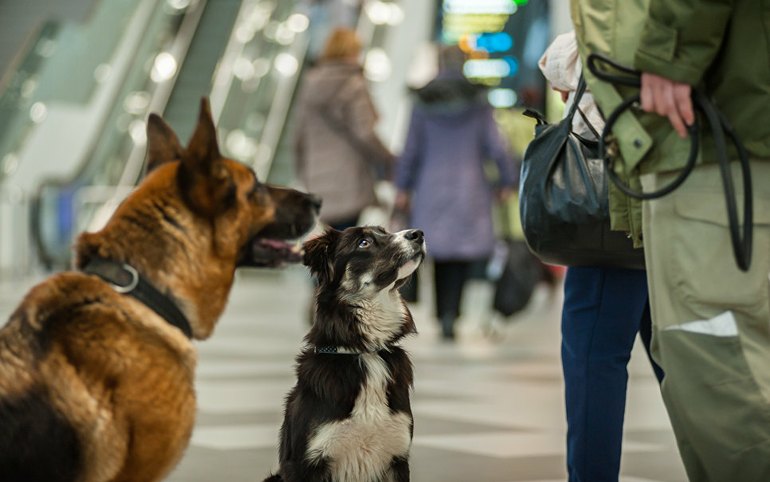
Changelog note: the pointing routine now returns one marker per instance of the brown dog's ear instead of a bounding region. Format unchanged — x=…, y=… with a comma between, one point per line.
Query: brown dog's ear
x=162, y=143
x=203, y=150
x=204, y=179
x=318, y=255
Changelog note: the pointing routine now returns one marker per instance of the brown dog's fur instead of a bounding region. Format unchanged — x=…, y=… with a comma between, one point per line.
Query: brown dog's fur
x=94, y=385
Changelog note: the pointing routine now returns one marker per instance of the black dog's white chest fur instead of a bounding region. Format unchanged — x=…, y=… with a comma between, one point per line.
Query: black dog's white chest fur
x=348, y=419
x=363, y=445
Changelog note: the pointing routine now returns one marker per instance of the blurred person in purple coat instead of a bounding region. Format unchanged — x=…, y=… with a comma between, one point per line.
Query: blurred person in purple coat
x=441, y=179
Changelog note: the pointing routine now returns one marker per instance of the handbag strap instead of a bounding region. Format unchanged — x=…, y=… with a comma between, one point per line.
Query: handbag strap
x=588, y=124
x=575, y=107
x=581, y=89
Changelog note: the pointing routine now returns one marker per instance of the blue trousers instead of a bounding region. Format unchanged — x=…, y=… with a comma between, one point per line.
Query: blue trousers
x=604, y=309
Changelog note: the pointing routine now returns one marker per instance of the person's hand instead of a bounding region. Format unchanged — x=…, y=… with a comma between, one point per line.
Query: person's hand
x=564, y=94
x=402, y=201
x=670, y=99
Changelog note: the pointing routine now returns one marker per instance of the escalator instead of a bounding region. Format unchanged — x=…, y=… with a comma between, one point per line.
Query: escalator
x=195, y=76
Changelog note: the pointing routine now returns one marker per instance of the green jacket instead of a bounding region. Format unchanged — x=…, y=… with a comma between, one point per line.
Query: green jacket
x=722, y=46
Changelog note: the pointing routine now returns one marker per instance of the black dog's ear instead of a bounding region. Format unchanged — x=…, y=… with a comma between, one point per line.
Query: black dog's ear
x=318, y=253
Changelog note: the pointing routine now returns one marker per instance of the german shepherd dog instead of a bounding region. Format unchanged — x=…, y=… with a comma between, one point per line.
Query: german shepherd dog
x=97, y=364
x=349, y=418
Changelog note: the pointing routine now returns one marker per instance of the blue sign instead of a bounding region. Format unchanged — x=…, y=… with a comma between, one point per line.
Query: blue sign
x=494, y=42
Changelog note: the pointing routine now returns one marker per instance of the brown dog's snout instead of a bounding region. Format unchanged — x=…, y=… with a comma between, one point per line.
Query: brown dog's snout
x=415, y=235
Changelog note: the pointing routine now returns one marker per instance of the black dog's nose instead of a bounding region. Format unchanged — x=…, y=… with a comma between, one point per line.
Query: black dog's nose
x=315, y=202
x=415, y=235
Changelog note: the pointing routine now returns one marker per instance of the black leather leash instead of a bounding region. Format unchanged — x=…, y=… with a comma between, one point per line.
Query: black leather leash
x=125, y=279
x=621, y=75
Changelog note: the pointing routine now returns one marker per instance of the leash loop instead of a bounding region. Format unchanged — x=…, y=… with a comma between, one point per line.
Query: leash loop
x=742, y=245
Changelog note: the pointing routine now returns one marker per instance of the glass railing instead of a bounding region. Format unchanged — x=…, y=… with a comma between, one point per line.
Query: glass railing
x=19, y=94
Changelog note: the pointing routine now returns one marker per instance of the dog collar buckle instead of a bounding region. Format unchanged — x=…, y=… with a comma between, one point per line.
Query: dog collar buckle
x=132, y=282
x=122, y=277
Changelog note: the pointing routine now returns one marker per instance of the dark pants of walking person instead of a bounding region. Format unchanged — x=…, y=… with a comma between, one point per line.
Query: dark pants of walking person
x=449, y=279
x=604, y=309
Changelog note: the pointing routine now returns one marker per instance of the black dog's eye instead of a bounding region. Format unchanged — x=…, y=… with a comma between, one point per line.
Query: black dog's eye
x=364, y=243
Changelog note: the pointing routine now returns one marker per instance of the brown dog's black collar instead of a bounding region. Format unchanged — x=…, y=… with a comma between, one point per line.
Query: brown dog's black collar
x=125, y=279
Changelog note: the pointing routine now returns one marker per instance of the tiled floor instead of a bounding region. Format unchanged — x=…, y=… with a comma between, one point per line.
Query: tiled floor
x=486, y=410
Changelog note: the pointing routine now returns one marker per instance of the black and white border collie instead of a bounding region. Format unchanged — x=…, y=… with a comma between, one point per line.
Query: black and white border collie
x=348, y=418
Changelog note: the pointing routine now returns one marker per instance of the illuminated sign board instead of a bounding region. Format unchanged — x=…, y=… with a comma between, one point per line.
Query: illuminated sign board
x=479, y=6
x=503, y=40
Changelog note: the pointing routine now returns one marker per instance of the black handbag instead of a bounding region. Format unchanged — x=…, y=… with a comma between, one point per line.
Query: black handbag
x=563, y=199
x=513, y=269
x=519, y=278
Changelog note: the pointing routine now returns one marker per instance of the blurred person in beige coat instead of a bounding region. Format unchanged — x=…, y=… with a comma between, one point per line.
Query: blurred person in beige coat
x=338, y=154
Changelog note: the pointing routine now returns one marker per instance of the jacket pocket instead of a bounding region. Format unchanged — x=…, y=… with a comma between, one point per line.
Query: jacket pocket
x=701, y=207
x=702, y=250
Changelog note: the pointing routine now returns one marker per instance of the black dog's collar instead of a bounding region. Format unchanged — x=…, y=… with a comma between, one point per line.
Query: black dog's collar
x=339, y=350
x=125, y=279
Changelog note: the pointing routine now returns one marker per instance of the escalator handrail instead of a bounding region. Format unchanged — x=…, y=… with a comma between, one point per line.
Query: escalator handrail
x=223, y=76
x=279, y=111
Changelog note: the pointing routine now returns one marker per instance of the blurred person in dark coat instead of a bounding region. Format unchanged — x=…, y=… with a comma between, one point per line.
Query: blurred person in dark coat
x=441, y=179
x=338, y=155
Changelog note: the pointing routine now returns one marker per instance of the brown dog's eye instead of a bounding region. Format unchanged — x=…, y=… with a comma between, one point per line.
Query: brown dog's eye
x=364, y=243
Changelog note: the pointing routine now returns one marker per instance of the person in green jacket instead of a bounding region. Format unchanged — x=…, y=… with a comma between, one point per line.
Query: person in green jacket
x=711, y=320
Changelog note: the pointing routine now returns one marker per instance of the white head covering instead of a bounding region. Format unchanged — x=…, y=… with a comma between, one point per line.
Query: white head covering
x=561, y=66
